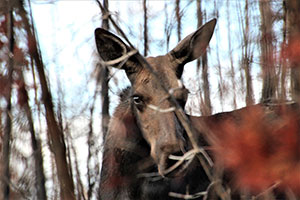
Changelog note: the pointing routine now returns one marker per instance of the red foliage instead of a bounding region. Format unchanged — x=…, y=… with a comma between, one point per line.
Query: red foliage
x=1, y=44
x=22, y=93
x=31, y=44
x=292, y=50
x=19, y=56
x=3, y=26
x=261, y=150
x=3, y=85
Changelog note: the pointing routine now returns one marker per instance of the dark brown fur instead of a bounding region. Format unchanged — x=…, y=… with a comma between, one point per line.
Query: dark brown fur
x=127, y=155
x=136, y=130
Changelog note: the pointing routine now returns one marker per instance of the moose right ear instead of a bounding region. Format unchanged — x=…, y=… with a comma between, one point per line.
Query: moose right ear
x=193, y=45
x=111, y=47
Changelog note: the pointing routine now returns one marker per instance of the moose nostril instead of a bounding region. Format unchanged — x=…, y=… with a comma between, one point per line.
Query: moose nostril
x=171, y=148
x=161, y=153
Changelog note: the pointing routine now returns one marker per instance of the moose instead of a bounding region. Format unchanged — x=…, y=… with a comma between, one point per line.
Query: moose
x=136, y=130
x=144, y=131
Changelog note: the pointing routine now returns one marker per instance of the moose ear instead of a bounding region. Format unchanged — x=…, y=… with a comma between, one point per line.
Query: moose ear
x=193, y=45
x=111, y=47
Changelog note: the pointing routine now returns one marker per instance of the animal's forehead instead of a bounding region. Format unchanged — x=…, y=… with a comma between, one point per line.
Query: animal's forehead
x=156, y=61
x=161, y=66
x=147, y=84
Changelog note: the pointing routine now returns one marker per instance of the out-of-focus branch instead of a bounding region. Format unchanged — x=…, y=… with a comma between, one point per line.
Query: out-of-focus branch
x=118, y=29
x=188, y=196
x=8, y=124
x=146, y=45
x=103, y=78
x=203, y=194
x=120, y=59
x=56, y=136
x=36, y=146
x=178, y=17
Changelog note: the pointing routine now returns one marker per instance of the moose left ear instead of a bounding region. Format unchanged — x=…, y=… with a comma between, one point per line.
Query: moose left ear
x=194, y=45
x=111, y=47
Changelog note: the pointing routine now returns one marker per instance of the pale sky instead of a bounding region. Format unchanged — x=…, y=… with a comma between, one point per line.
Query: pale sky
x=66, y=34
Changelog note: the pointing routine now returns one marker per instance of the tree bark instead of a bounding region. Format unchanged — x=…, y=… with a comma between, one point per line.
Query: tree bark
x=283, y=61
x=293, y=19
x=36, y=147
x=8, y=123
x=247, y=58
x=55, y=134
x=206, y=109
x=178, y=17
x=146, y=45
x=104, y=78
x=232, y=71
x=267, y=52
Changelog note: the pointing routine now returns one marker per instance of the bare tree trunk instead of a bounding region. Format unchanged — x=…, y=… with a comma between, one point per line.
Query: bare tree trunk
x=293, y=19
x=283, y=61
x=91, y=145
x=206, y=109
x=56, y=137
x=104, y=78
x=146, y=45
x=35, y=140
x=232, y=71
x=178, y=17
x=221, y=83
x=80, y=188
x=55, y=134
x=267, y=51
x=168, y=27
x=105, y=23
x=8, y=123
x=246, y=60
x=36, y=147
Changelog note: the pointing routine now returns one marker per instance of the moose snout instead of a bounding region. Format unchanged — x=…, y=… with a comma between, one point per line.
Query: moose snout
x=161, y=152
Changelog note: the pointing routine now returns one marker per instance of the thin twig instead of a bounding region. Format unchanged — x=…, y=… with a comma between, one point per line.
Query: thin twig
x=269, y=189
x=187, y=196
x=156, y=108
x=120, y=59
x=188, y=156
x=119, y=30
x=195, y=195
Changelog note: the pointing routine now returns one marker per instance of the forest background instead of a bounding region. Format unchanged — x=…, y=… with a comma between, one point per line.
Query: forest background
x=56, y=99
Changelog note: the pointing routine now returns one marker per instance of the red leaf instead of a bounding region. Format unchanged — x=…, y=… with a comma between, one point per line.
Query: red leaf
x=22, y=93
x=3, y=26
x=19, y=56
x=3, y=85
x=260, y=150
x=292, y=50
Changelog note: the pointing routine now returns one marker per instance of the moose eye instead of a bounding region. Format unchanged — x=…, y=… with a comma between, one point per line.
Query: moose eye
x=138, y=100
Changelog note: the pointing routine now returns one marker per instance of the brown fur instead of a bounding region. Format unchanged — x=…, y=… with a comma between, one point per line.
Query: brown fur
x=137, y=130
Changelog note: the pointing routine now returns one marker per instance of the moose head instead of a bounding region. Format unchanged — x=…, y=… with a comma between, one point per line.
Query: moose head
x=149, y=100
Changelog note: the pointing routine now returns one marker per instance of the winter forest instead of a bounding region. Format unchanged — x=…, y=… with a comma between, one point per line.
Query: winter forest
x=57, y=97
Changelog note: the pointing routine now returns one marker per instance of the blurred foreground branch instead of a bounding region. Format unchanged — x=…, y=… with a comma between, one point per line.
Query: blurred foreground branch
x=56, y=136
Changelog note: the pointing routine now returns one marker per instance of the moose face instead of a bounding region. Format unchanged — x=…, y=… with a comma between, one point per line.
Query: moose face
x=149, y=99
